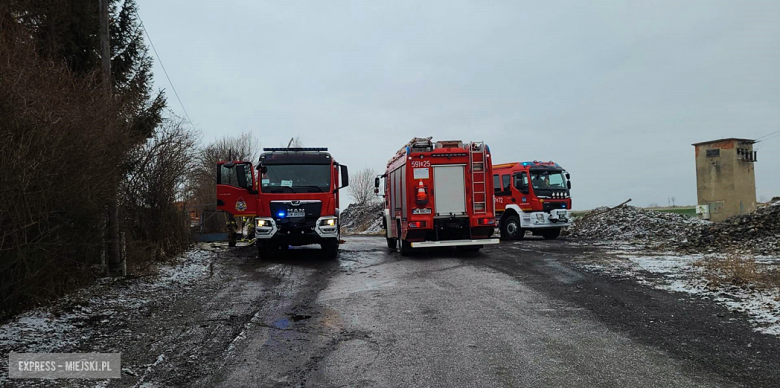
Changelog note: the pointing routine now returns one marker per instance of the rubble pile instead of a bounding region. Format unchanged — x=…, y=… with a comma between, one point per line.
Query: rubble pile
x=757, y=232
x=635, y=225
x=362, y=219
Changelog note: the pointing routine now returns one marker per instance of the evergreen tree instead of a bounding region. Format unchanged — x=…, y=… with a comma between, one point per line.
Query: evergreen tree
x=67, y=30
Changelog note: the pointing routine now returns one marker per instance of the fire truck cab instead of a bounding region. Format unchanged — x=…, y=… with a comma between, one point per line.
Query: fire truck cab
x=294, y=199
x=532, y=196
x=437, y=195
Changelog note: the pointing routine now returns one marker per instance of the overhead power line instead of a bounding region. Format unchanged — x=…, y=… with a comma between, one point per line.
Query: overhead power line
x=771, y=137
x=164, y=71
x=767, y=135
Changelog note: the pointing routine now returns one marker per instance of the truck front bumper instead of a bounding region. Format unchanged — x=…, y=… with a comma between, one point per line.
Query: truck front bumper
x=454, y=243
x=540, y=220
x=267, y=228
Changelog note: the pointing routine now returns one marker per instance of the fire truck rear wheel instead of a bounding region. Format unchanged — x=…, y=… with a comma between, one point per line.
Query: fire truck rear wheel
x=551, y=234
x=510, y=228
x=406, y=248
x=392, y=243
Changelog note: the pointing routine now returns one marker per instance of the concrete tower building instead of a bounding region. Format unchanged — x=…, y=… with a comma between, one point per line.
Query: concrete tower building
x=725, y=178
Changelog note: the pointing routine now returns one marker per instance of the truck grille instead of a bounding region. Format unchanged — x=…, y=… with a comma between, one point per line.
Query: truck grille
x=296, y=216
x=553, y=205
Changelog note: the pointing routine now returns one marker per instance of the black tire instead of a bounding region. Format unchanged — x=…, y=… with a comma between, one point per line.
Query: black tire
x=510, y=228
x=551, y=234
x=406, y=248
x=331, y=248
x=392, y=243
x=265, y=250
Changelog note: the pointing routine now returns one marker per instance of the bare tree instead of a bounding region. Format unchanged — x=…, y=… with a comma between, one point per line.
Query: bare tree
x=203, y=190
x=361, y=186
x=295, y=142
x=153, y=193
x=203, y=185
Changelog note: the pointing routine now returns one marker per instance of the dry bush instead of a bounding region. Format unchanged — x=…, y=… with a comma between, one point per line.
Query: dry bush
x=153, y=195
x=61, y=147
x=736, y=270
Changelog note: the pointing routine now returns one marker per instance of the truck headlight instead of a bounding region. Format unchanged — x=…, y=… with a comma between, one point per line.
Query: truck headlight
x=263, y=223
x=540, y=217
x=328, y=222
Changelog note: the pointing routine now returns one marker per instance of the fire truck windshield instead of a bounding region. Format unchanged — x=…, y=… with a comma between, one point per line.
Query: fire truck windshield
x=296, y=178
x=548, y=180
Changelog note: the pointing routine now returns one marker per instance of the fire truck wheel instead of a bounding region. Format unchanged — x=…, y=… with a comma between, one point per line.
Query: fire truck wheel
x=392, y=243
x=406, y=248
x=265, y=250
x=510, y=228
x=551, y=234
x=331, y=248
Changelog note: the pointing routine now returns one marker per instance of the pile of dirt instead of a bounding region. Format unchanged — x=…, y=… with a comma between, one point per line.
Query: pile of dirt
x=362, y=219
x=757, y=232
x=635, y=225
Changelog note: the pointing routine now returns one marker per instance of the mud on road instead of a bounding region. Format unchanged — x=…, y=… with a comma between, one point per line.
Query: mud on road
x=520, y=314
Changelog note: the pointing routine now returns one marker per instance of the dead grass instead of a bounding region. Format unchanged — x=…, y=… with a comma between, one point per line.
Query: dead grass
x=740, y=271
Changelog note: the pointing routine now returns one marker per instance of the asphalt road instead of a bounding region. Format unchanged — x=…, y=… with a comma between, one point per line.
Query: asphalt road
x=519, y=314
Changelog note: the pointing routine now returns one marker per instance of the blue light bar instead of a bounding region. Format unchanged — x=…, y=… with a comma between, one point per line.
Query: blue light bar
x=296, y=149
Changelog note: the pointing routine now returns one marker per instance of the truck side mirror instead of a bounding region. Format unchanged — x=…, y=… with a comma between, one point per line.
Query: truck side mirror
x=568, y=176
x=568, y=184
x=262, y=169
x=376, y=184
x=344, y=176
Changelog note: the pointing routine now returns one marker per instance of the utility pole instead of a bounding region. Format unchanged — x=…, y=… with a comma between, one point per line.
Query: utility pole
x=114, y=252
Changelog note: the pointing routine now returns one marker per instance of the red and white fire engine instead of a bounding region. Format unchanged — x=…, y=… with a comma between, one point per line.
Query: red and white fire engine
x=532, y=196
x=295, y=198
x=439, y=194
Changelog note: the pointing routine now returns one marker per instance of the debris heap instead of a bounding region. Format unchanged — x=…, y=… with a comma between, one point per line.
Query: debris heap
x=634, y=225
x=362, y=219
x=757, y=232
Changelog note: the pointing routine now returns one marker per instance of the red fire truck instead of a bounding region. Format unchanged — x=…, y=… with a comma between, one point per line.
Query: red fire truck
x=437, y=195
x=532, y=196
x=295, y=198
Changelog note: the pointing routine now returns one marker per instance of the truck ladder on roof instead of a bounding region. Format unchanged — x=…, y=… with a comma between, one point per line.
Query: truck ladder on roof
x=477, y=159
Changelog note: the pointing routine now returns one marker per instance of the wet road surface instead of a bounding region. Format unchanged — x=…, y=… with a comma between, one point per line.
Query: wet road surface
x=518, y=314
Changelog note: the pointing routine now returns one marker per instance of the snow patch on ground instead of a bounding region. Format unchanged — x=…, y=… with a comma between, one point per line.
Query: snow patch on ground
x=77, y=317
x=677, y=273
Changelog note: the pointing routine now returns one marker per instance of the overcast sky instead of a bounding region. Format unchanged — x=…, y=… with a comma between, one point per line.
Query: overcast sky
x=614, y=91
